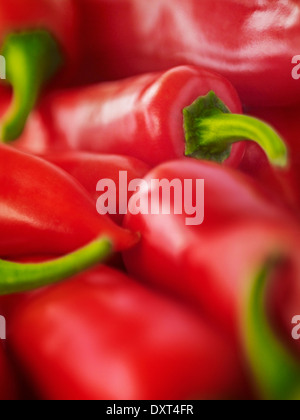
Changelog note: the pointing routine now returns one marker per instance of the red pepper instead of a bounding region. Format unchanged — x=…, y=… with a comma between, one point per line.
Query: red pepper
x=43, y=211
x=8, y=389
x=286, y=296
x=89, y=169
x=131, y=343
x=143, y=117
x=37, y=38
x=211, y=265
x=61, y=20
x=251, y=43
x=283, y=183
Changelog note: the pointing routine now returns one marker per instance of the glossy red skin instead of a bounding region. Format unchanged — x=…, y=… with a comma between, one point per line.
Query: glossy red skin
x=131, y=344
x=90, y=168
x=8, y=303
x=60, y=18
x=8, y=389
x=139, y=117
x=210, y=265
x=44, y=211
x=252, y=46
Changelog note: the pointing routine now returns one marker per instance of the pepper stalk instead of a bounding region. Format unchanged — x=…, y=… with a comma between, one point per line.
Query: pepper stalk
x=32, y=59
x=15, y=277
x=275, y=370
x=211, y=129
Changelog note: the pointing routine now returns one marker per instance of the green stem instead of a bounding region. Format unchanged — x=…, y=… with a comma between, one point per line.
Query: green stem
x=210, y=131
x=16, y=277
x=32, y=59
x=275, y=370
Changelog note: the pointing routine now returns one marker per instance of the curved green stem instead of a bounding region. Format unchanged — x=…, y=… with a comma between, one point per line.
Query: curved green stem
x=16, y=277
x=32, y=59
x=275, y=370
x=210, y=131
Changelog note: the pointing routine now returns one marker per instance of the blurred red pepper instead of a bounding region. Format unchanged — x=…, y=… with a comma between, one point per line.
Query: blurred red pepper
x=8, y=388
x=155, y=118
x=8, y=303
x=44, y=211
x=131, y=343
x=241, y=225
x=252, y=46
x=283, y=183
x=211, y=265
x=37, y=38
x=90, y=168
x=60, y=19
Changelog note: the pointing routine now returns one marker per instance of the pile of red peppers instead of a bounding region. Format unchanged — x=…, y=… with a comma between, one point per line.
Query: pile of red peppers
x=166, y=297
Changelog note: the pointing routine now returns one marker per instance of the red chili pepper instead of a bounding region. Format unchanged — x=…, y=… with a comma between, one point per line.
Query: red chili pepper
x=236, y=212
x=131, y=343
x=210, y=265
x=286, y=295
x=156, y=118
x=8, y=389
x=89, y=169
x=282, y=183
x=37, y=38
x=43, y=211
x=252, y=46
